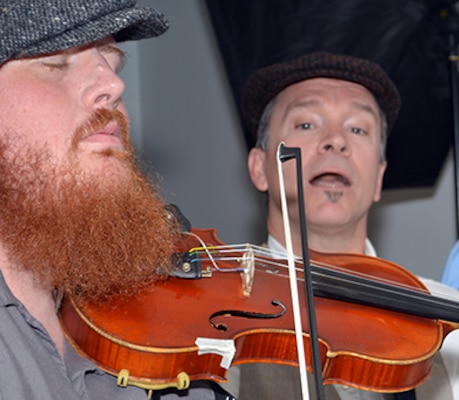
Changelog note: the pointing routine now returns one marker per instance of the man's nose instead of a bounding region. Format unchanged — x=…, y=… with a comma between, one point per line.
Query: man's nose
x=105, y=87
x=334, y=140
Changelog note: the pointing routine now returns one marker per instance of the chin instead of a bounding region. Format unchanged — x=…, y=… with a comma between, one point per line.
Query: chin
x=106, y=168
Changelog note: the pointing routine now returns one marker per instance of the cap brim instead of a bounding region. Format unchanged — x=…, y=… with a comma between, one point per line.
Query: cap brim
x=124, y=25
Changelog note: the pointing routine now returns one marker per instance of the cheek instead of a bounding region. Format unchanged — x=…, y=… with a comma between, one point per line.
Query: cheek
x=42, y=112
x=25, y=114
x=38, y=130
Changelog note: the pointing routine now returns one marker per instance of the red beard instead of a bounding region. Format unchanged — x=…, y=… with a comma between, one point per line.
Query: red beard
x=89, y=233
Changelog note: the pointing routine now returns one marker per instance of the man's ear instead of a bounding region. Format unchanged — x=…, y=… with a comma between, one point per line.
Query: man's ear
x=256, y=165
x=379, y=181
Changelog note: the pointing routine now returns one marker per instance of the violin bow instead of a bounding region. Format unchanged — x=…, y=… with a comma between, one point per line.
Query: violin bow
x=285, y=154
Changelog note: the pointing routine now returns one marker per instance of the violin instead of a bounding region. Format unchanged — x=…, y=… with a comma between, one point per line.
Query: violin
x=379, y=327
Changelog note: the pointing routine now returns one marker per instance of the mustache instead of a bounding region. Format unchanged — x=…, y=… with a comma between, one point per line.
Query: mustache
x=97, y=121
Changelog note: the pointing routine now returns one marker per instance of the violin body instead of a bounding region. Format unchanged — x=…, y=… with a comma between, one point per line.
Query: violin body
x=152, y=337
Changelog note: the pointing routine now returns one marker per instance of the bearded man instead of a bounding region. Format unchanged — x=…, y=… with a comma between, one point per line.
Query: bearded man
x=78, y=217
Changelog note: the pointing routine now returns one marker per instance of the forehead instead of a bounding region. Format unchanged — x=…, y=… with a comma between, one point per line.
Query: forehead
x=324, y=89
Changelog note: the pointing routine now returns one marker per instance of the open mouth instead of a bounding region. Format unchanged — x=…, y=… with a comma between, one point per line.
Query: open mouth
x=330, y=180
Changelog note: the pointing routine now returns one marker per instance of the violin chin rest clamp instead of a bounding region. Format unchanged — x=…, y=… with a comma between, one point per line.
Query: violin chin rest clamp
x=123, y=380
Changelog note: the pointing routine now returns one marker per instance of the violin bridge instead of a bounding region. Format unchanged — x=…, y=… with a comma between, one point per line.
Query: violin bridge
x=248, y=270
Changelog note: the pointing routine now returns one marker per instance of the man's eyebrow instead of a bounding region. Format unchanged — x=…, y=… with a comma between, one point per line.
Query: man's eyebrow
x=299, y=104
x=314, y=102
x=366, y=107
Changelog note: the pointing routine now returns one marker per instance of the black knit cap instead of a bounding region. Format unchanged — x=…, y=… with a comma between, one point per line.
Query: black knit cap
x=36, y=27
x=267, y=82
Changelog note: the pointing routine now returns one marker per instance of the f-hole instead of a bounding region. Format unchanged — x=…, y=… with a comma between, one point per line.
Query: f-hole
x=245, y=314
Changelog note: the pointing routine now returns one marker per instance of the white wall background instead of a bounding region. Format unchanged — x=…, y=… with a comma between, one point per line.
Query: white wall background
x=185, y=124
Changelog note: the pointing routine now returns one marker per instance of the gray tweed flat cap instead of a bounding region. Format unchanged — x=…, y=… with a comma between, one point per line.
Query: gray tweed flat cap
x=35, y=27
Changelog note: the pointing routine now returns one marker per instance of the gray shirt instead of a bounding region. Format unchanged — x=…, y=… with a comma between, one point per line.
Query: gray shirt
x=31, y=367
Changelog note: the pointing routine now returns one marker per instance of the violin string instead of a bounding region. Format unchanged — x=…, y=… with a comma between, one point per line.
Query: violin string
x=278, y=267
x=204, y=247
x=265, y=262
x=280, y=263
x=271, y=256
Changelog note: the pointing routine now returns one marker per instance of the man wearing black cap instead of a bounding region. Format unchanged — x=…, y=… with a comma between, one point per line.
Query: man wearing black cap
x=78, y=218
x=338, y=110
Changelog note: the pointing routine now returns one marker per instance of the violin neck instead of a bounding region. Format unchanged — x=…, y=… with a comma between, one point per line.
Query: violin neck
x=347, y=287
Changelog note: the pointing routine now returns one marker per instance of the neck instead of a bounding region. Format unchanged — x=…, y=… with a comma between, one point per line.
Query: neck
x=324, y=239
x=36, y=298
x=338, y=243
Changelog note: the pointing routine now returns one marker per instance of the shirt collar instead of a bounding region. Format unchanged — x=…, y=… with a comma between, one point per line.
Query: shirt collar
x=278, y=249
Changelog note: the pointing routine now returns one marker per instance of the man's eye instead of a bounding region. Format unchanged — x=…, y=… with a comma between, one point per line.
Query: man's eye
x=55, y=66
x=358, y=131
x=305, y=125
